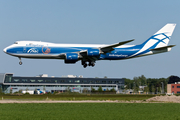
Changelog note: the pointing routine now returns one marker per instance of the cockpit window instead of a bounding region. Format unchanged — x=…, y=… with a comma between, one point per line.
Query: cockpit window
x=15, y=42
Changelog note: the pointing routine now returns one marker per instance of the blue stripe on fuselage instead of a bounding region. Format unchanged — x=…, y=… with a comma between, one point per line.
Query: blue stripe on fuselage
x=121, y=53
x=118, y=53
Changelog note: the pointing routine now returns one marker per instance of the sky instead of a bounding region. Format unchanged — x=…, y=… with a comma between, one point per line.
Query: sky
x=89, y=22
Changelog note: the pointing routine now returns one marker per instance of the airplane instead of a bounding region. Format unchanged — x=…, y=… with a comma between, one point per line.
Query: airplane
x=88, y=54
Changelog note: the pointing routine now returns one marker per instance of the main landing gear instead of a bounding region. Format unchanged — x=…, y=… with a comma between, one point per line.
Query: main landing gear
x=91, y=63
x=20, y=62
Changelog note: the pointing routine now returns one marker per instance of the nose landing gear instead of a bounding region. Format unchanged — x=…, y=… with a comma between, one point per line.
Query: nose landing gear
x=20, y=62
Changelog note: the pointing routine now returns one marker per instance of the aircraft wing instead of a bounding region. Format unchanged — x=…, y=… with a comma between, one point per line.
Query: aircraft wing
x=84, y=53
x=111, y=47
x=108, y=48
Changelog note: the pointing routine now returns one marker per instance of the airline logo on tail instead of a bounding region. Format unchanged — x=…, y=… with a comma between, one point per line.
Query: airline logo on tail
x=160, y=38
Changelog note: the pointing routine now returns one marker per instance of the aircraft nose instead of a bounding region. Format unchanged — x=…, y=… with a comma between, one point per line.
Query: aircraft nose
x=5, y=50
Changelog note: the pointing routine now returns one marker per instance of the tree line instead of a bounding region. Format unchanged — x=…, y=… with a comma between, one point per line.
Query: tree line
x=152, y=84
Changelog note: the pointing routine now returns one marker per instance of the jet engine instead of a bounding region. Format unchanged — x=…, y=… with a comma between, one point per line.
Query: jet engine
x=71, y=58
x=93, y=52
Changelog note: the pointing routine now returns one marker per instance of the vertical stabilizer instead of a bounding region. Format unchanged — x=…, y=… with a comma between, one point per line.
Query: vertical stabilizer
x=160, y=38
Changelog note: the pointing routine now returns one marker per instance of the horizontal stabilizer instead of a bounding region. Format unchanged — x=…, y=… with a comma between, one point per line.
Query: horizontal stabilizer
x=161, y=48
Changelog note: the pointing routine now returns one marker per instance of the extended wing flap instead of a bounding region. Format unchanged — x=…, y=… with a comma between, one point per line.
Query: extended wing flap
x=111, y=47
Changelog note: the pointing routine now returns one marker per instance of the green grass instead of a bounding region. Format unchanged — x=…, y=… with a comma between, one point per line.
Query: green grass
x=90, y=111
x=76, y=97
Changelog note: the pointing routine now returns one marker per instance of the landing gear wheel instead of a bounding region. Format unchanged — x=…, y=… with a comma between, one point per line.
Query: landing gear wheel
x=20, y=63
x=92, y=64
x=85, y=65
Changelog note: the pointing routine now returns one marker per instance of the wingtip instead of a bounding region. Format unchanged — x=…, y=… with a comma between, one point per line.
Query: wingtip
x=131, y=40
x=127, y=41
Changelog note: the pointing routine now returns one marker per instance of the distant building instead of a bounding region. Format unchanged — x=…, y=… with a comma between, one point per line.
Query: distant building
x=8, y=83
x=142, y=87
x=173, y=88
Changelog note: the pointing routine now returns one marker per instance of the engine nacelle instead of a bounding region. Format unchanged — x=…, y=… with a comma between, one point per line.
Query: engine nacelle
x=71, y=58
x=93, y=52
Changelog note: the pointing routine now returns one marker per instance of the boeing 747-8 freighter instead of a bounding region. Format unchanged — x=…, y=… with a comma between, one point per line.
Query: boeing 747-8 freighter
x=88, y=54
